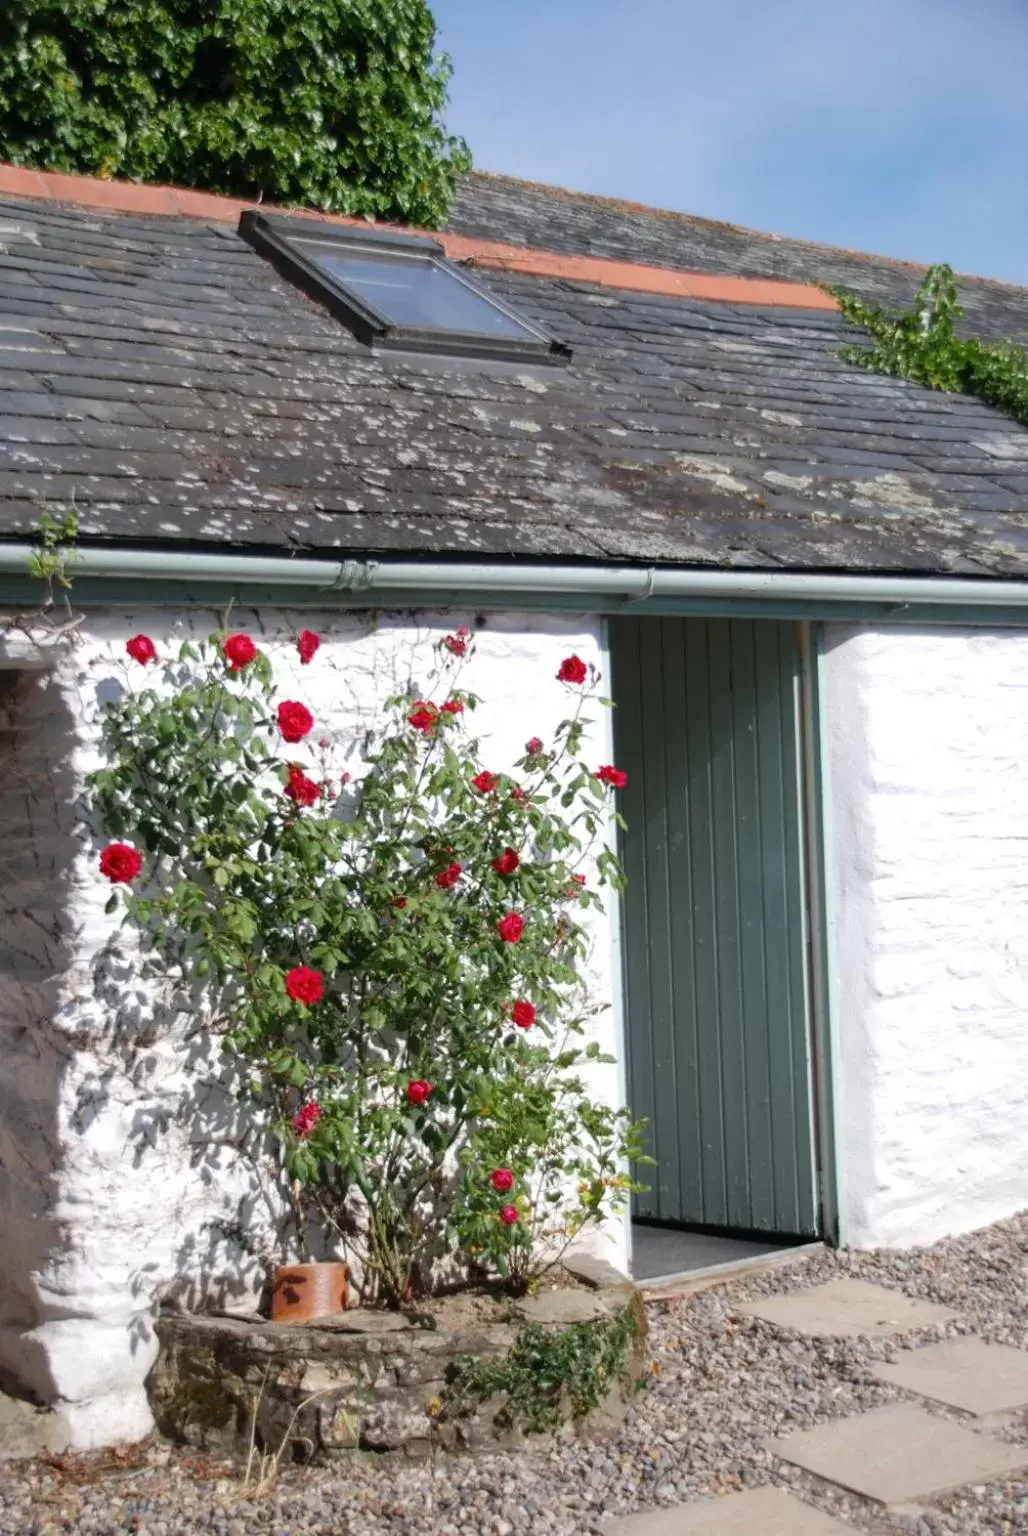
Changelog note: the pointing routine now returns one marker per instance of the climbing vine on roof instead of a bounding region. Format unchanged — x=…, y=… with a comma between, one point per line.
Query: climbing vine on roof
x=921, y=343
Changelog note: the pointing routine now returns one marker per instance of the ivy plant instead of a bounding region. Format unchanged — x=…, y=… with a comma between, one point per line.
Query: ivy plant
x=331, y=104
x=54, y=553
x=549, y=1377
x=922, y=344
x=395, y=965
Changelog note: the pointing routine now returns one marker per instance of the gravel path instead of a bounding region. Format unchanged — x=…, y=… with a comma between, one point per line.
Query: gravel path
x=721, y=1384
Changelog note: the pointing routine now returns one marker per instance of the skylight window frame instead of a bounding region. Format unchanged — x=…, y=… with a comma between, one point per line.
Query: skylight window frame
x=282, y=239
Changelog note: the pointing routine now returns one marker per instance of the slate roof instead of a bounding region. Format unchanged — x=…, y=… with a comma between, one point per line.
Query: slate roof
x=503, y=208
x=159, y=374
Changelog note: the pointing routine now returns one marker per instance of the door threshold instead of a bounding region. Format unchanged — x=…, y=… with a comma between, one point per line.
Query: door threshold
x=668, y=1287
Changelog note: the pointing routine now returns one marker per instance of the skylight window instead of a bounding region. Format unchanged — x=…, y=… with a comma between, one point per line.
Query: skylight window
x=397, y=291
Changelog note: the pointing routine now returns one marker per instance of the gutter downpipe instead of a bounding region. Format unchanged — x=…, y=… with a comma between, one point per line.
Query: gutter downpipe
x=379, y=583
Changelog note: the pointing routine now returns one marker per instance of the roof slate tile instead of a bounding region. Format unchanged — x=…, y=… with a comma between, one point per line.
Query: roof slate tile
x=504, y=208
x=180, y=392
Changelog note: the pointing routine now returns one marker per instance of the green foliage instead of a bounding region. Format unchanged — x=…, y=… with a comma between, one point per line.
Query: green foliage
x=922, y=344
x=244, y=884
x=52, y=556
x=331, y=104
x=549, y=1378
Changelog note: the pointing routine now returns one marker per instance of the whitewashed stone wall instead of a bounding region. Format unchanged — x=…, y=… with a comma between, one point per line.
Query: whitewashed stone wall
x=121, y=1181
x=929, y=798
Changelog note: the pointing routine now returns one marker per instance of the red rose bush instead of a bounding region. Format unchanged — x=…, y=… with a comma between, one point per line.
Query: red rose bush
x=239, y=651
x=142, y=649
x=120, y=863
x=399, y=988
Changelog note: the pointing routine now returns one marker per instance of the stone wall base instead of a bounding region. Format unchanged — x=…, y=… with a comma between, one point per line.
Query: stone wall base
x=363, y=1380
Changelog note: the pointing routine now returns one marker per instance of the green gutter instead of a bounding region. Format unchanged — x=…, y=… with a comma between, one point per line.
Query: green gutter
x=103, y=576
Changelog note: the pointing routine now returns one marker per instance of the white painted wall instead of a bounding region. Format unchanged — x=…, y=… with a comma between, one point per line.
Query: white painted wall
x=119, y=1185
x=928, y=734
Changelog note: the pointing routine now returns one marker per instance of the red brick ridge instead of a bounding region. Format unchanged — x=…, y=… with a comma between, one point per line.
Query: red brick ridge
x=181, y=202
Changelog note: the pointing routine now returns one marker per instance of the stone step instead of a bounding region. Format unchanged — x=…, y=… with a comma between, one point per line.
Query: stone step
x=965, y=1373
x=27, y=1430
x=758, y=1512
x=900, y=1454
x=847, y=1309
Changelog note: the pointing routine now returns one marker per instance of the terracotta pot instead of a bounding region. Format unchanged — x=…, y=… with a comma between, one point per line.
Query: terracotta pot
x=300, y=1292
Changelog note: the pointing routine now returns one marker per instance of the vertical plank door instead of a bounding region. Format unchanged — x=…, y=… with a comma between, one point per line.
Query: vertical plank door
x=717, y=1015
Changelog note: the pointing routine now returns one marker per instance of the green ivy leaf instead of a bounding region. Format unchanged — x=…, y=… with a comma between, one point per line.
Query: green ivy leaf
x=335, y=105
x=922, y=344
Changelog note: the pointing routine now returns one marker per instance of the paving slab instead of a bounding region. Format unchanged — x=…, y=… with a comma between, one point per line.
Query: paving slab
x=562, y=1307
x=899, y=1454
x=848, y=1309
x=26, y=1430
x=596, y=1272
x=758, y=1512
x=965, y=1373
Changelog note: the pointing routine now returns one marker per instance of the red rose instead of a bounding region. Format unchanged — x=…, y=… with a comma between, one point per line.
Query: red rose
x=306, y=1118
x=238, y=651
x=608, y=774
x=573, y=670
x=453, y=707
x=456, y=645
x=418, y=1091
x=304, y=985
x=141, y=648
x=423, y=717
x=294, y=720
x=448, y=877
x=120, y=863
x=509, y=1215
x=534, y=747
x=507, y=863
x=485, y=782
x=399, y=902
x=501, y=1179
x=523, y=1014
x=510, y=927
x=300, y=788
x=307, y=644
x=518, y=794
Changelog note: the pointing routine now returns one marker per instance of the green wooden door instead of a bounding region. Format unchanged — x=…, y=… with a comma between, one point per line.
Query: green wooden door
x=714, y=921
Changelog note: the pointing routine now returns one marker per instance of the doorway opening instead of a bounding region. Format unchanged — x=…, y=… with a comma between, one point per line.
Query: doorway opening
x=717, y=977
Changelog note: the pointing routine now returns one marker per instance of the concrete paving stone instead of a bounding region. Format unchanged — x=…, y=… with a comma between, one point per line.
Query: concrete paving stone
x=596, y=1272
x=562, y=1307
x=26, y=1430
x=899, y=1454
x=965, y=1373
x=848, y=1309
x=758, y=1512
x=357, y=1320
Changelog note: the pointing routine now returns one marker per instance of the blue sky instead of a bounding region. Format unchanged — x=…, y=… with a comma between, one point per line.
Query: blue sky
x=896, y=126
